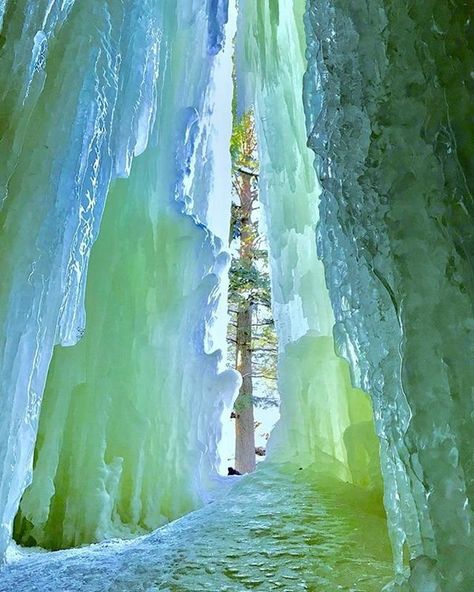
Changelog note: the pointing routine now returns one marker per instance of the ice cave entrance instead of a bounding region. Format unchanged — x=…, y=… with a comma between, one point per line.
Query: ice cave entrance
x=119, y=199
x=125, y=438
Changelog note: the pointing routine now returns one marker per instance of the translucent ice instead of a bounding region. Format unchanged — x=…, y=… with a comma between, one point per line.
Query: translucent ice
x=88, y=86
x=389, y=98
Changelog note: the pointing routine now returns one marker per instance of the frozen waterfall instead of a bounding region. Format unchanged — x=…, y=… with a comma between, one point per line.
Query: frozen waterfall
x=116, y=193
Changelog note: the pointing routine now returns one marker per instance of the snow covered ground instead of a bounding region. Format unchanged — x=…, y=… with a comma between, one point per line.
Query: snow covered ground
x=279, y=529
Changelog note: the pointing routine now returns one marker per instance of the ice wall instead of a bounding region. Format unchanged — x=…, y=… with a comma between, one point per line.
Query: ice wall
x=389, y=99
x=60, y=117
x=88, y=86
x=324, y=420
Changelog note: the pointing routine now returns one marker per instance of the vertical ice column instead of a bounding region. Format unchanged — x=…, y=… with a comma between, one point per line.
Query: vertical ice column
x=130, y=418
x=73, y=111
x=389, y=95
x=324, y=420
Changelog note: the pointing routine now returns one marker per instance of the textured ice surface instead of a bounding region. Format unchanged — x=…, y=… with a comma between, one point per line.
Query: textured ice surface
x=323, y=417
x=389, y=97
x=87, y=86
x=279, y=529
x=73, y=111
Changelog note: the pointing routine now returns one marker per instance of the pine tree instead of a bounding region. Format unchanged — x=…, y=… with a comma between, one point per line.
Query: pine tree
x=251, y=332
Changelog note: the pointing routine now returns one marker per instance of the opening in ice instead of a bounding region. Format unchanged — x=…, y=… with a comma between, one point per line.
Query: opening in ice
x=129, y=422
x=251, y=335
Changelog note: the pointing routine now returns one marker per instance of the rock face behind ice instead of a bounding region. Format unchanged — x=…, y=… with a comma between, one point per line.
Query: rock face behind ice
x=389, y=97
x=87, y=87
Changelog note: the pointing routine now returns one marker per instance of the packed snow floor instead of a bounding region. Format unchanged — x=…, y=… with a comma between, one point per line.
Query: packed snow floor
x=276, y=530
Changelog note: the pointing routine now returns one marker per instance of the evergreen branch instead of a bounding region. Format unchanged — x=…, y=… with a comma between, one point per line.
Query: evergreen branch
x=245, y=171
x=264, y=349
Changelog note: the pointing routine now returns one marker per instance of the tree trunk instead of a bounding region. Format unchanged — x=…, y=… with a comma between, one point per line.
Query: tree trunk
x=244, y=418
x=243, y=408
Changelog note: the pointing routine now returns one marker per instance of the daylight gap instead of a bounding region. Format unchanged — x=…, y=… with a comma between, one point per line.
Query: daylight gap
x=251, y=336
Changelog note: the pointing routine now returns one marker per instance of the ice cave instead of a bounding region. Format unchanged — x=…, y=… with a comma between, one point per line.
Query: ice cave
x=116, y=180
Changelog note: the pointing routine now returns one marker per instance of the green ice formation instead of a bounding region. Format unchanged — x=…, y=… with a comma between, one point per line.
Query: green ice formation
x=130, y=416
x=324, y=419
x=115, y=197
x=104, y=466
